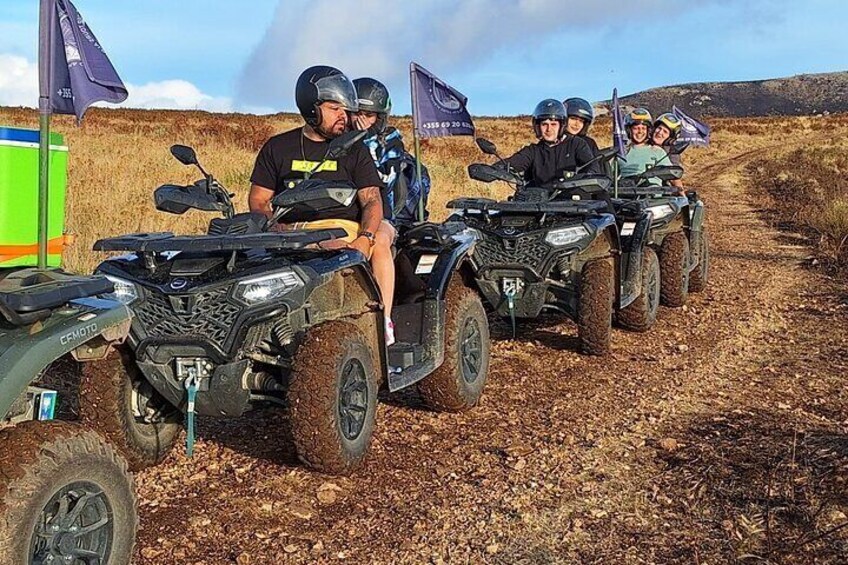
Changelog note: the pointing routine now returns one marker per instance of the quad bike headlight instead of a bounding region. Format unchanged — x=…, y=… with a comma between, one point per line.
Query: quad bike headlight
x=125, y=292
x=566, y=236
x=268, y=287
x=661, y=211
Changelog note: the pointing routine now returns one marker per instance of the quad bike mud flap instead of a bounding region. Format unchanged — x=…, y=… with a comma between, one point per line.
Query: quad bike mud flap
x=431, y=353
x=87, y=328
x=633, y=235
x=696, y=224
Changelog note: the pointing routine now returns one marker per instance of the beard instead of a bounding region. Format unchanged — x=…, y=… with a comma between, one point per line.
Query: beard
x=336, y=129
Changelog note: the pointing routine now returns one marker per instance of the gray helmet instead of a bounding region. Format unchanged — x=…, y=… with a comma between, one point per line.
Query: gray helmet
x=320, y=84
x=549, y=109
x=373, y=96
x=580, y=108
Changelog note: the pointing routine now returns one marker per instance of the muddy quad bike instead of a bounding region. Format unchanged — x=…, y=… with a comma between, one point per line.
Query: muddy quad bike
x=677, y=232
x=245, y=316
x=541, y=251
x=65, y=495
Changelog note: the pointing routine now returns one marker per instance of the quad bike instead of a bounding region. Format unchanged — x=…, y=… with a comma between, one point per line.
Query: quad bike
x=677, y=232
x=245, y=316
x=561, y=247
x=66, y=496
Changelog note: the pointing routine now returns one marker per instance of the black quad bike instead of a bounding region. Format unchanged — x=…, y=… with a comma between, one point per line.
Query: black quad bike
x=677, y=232
x=562, y=247
x=66, y=496
x=247, y=315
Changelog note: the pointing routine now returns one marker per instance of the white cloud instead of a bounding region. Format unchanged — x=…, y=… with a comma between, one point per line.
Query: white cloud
x=367, y=38
x=18, y=81
x=19, y=87
x=174, y=95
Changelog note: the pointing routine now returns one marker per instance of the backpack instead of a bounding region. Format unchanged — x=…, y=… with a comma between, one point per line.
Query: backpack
x=406, y=192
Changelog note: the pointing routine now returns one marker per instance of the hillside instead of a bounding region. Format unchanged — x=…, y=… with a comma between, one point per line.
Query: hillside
x=793, y=96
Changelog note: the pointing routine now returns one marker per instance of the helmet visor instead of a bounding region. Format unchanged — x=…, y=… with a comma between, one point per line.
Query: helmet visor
x=337, y=88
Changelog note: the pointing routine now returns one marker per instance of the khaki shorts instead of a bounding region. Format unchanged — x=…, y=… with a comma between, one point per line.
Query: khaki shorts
x=349, y=226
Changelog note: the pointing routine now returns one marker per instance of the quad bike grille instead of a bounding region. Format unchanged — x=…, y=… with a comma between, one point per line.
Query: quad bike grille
x=206, y=315
x=529, y=250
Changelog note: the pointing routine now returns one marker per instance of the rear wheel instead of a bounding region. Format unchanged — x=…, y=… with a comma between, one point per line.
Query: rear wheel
x=674, y=270
x=594, y=311
x=117, y=401
x=458, y=383
x=699, y=277
x=641, y=314
x=65, y=497
x=333, y=398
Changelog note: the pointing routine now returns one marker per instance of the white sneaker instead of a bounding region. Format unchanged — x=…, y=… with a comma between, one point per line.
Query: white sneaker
x=390, y=332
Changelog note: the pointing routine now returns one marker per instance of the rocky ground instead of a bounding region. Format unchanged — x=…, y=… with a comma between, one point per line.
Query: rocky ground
x=721, y=435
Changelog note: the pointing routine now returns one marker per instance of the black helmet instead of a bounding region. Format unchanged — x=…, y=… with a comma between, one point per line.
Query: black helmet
x=323, y=84
x=549, y=109
x=580, y=108
x=373, y=96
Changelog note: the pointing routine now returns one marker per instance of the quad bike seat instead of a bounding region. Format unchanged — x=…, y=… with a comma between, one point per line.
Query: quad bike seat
x=28, y=295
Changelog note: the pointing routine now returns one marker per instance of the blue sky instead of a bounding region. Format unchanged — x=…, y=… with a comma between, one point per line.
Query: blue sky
x=505, y=55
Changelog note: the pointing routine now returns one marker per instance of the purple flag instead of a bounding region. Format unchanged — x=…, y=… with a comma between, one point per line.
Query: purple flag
x=693, y=131
x=80, y=73
x=619, y=137
x=437, y=109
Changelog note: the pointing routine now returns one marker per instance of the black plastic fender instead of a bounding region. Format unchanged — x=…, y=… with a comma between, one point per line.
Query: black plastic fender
x=631, y=259
x=696, y=224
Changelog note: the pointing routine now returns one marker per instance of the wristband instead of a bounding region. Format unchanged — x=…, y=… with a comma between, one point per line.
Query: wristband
x=372, y=239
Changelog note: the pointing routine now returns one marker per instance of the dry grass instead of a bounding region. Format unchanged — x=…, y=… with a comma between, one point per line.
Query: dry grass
x=809, y=193
x=119, y=156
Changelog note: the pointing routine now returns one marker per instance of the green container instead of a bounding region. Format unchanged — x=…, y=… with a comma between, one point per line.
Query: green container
x=19, y=197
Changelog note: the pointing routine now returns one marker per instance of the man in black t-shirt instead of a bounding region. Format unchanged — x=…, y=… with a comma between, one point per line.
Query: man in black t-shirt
x=556, y=153
x=325, y=97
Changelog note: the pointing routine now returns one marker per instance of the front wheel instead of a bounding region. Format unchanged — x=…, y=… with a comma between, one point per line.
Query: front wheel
x=117, y=401
x=641, y=314
x=65, y=497
x=333, y=398
x=674, y=270
x=594, y=311
x=457, y=384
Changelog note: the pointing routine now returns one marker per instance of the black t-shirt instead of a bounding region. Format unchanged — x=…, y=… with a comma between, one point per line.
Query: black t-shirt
x=288, y=156
x=542, y=163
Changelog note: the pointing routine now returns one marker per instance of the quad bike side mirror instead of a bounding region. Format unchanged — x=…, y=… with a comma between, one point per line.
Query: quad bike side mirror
x=486, y=146
x=184, y=154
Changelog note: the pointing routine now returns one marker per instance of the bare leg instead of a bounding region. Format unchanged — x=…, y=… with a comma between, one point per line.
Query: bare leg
x=383, y=265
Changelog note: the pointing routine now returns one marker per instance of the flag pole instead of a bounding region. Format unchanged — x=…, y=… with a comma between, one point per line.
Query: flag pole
x=615, y=176
x=46, y=15
x=417, y=143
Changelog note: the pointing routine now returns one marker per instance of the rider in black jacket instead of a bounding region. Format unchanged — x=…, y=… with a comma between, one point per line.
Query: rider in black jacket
x=556, y=152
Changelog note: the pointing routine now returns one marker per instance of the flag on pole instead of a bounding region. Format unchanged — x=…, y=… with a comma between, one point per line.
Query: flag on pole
x=80, y=73
x=73, y=74
x=438, y=110
x=619, y=137
x=693, y=131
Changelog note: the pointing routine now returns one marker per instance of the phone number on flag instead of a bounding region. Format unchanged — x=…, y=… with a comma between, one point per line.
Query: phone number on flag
x=440, y=125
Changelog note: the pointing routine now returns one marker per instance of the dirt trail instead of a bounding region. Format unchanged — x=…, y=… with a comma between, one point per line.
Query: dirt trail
x=720, y=433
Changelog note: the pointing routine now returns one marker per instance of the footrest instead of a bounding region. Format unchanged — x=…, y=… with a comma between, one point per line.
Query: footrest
x=403, y=355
